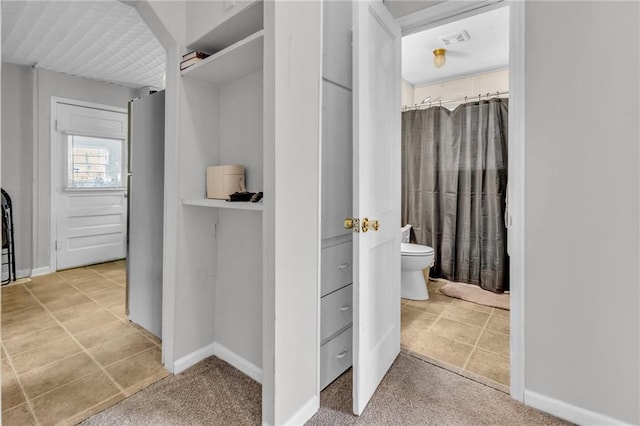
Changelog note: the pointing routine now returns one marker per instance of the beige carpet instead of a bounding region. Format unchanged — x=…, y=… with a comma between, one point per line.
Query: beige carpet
x=474, y=294
x=413, y=393
x=211, y=392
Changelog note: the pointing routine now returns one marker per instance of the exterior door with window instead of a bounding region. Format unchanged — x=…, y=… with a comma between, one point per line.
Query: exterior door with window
x=89, y=185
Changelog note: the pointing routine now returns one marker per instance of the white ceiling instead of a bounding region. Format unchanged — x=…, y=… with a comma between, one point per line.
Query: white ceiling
x=487, y=49
x=102, y=40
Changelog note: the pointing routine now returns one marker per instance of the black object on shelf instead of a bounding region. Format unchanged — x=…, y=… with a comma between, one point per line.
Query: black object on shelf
x=241, y=196
x=8, y=243
x=256, y=197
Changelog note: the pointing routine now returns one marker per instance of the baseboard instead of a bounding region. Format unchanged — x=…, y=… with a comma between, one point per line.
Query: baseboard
x=305, y=412
x=23, y=273
x=568, y=412
x=192, y=359
x=41, y=271
x=224, y=354
x=237, y=361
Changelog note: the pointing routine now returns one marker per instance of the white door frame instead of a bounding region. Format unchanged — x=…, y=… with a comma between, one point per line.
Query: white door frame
x=54, y=166
x=453, y=11
x=173, y=53
x=516, y=179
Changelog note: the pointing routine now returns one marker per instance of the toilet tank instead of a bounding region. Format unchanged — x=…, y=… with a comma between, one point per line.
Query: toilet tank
x=406, y=233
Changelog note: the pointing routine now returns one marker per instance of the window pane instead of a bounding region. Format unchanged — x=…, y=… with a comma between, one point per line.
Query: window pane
x=94, y=162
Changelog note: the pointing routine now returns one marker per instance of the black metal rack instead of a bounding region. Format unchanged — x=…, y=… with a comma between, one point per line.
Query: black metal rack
x=8, y=243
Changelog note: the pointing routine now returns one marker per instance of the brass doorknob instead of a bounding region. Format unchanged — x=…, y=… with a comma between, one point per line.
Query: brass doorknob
x=365, y=224
x=348, y=223
x=375, y=225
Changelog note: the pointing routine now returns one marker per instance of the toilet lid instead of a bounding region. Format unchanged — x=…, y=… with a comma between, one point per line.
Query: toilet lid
x=415, y=249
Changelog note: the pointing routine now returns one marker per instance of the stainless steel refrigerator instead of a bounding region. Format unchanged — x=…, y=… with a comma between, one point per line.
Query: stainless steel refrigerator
x=146, y=212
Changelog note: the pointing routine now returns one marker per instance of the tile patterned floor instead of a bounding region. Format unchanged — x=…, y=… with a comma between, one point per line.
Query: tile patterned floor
x=68, y=350
x=463, y=337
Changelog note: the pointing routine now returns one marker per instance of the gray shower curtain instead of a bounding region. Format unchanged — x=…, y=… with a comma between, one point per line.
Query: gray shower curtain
x=454, y=182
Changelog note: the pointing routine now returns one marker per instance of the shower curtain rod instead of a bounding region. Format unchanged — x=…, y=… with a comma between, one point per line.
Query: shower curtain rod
x=466, y=99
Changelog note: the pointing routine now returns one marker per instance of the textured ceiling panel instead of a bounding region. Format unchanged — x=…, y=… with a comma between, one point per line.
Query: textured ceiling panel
x=101, y=40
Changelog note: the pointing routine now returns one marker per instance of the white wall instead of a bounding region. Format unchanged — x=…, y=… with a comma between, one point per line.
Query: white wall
x=202, y=16
x=582, y=208
x=400, y=8
x=471, y=86
x=26, y=138
x=48, y=84
x=408, y=93
x=17, y=155
x=166, y=19
x=292, y=70
x=239, y=275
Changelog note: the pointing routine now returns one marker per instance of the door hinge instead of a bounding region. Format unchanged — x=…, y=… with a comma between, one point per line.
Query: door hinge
x=55, y=245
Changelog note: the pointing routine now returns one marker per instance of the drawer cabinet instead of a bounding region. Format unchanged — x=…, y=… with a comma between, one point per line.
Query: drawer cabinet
x=336, y=357
x=336, y=304
x=337, y=267
x=336, y=312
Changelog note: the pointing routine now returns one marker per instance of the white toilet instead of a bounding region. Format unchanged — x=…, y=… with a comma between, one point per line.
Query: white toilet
x=414, y=259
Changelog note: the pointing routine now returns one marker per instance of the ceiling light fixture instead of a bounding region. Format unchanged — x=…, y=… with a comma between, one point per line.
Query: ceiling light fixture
x=439, y=57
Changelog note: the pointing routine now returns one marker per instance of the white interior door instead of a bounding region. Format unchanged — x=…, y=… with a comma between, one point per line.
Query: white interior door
x=376, y=165
x=89, y=185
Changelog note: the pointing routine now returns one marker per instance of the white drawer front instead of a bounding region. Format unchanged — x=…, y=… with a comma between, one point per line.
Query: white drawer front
x=337, y=267
x=335, y=357
x=336, y=312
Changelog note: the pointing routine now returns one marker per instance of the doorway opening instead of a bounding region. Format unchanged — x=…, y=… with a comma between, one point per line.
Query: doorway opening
x=455, y=92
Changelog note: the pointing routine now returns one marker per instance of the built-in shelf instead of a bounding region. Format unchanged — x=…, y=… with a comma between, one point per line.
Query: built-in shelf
x=232, y=63
x=238, y=26
x=222, y=204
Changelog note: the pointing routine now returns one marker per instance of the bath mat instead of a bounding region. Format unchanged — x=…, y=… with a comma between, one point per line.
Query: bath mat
x=474, y=294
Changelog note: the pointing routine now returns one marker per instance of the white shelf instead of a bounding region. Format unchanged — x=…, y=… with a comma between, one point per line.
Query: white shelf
x=232, y=63
x=242, y=24
x=222, y=204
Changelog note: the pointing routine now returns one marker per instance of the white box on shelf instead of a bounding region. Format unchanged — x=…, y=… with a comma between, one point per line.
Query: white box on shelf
x=223, y=181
